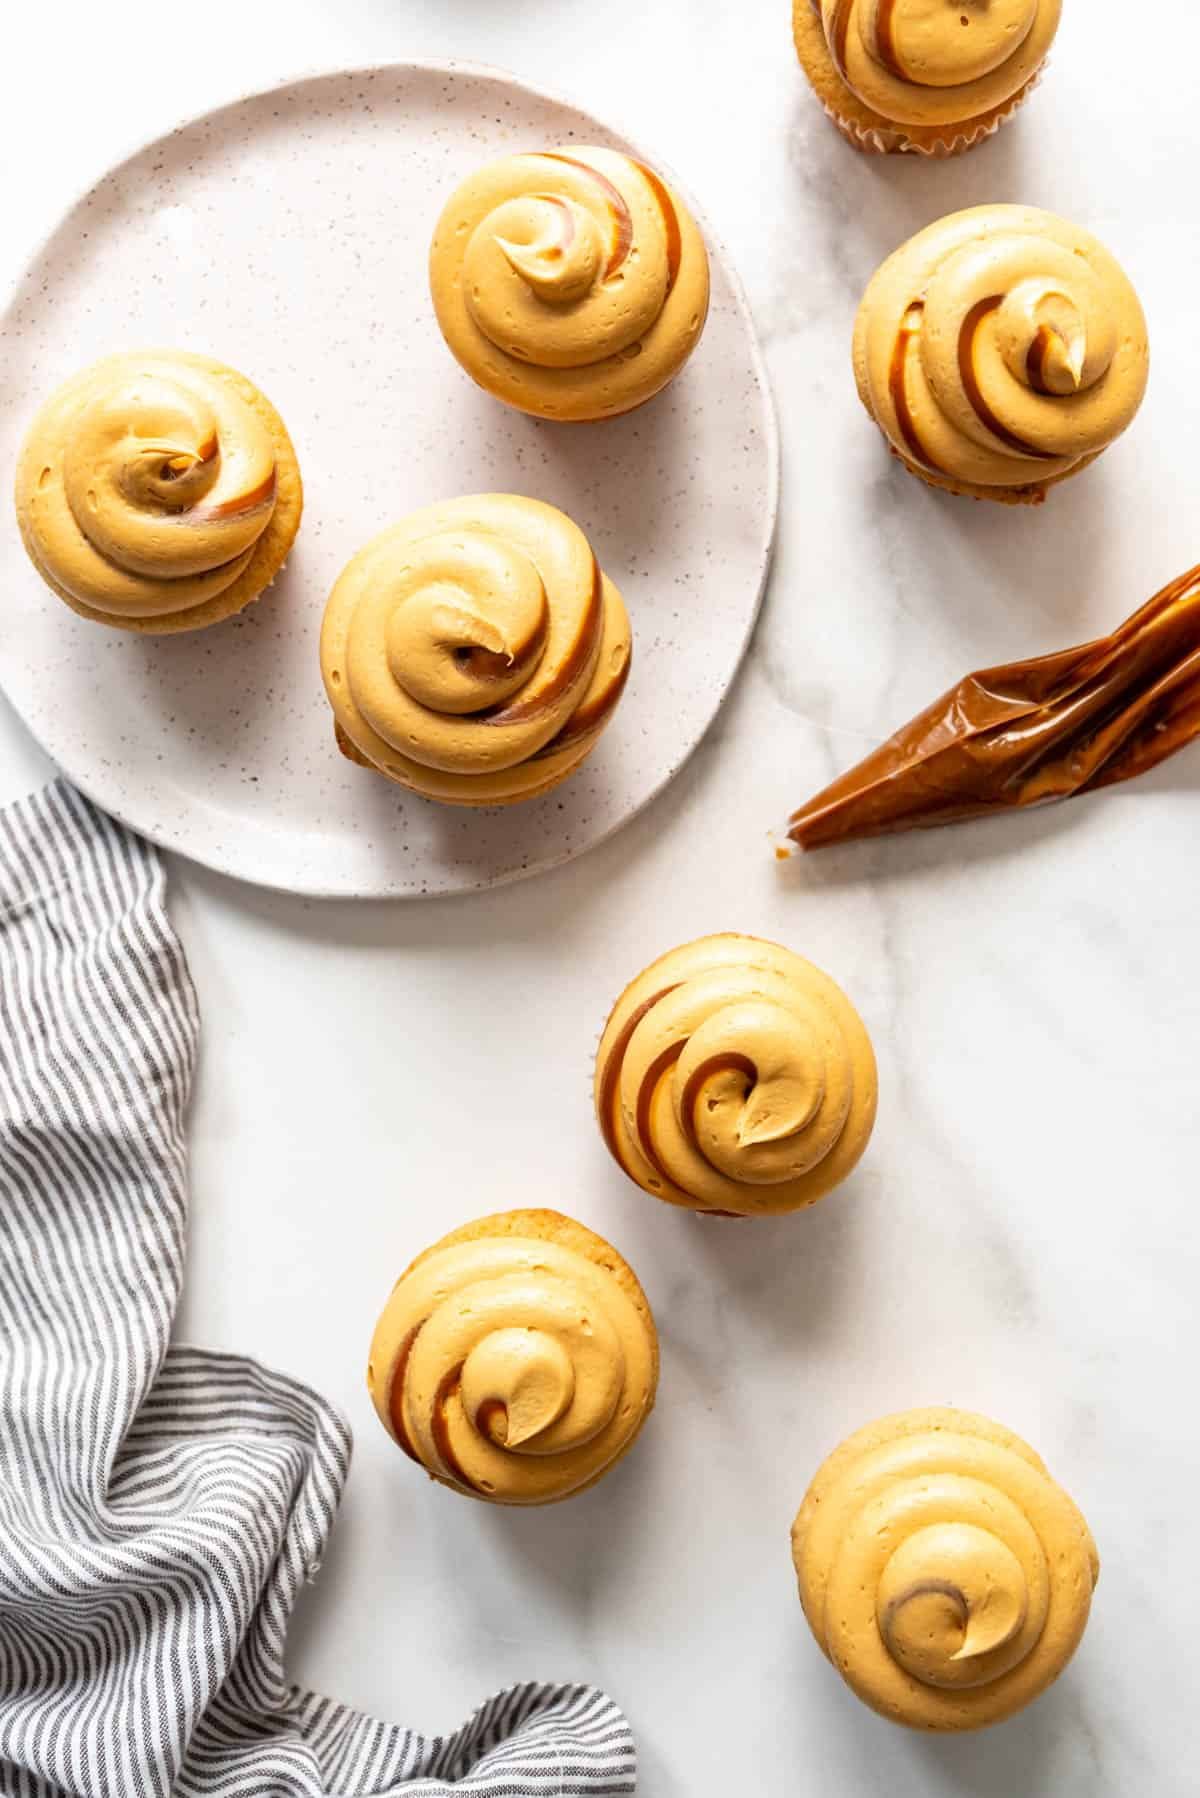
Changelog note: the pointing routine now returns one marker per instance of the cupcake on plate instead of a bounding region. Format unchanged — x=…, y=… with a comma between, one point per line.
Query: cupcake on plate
x=475, y=652
x=517, y=1360
x=571, y=284
x=943, y=1572
x=734, y=1078
x=1000, y=351
x=158, y=491
x=932, y=76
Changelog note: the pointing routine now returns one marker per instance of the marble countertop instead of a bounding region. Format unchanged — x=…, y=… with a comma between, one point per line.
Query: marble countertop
x=1021, y=1239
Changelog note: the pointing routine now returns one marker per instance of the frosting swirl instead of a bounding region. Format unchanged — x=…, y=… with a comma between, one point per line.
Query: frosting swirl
x=942, y=1570
x=517, y=1360
x=735, y=1077
x=924, y=62
x=572, y=283
x=475, y=652
x=146, y=488
x=1001, y=348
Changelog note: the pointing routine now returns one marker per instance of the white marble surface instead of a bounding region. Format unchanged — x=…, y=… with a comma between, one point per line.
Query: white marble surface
x=1022, y=1237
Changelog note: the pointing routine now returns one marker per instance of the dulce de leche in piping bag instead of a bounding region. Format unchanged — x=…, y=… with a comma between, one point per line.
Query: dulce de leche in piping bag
x=1028, y=732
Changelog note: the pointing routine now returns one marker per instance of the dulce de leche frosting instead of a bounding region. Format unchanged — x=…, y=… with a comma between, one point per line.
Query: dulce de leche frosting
x=937, y=62
x=943, y=1572
x=1001, y=349
x=517, y=1360
x=572, y=283
x=734, y=1077
x=147, y=487
x=475, y=651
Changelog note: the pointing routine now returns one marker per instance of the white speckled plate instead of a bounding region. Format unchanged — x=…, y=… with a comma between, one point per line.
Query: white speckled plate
x=287, y=234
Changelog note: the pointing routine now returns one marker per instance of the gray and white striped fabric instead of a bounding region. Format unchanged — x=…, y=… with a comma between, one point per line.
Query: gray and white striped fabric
x=161, y=1507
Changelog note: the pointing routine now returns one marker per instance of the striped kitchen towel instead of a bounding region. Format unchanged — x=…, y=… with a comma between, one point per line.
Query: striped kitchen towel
x=160, y=1506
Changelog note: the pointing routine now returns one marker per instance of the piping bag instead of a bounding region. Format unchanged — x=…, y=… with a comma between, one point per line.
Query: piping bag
x=1028, y=732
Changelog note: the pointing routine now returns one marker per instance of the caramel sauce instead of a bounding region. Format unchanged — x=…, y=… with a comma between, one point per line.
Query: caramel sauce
x=656, y=1073
x=589, y=717
x=670, y=218
x=622, y=221
x=396, y=1394
x=574, y=662
x=262, y=495
x=885, y=22
x=838, y=33
x=1035, y=361
x=716, y=1064
x=493, y=1412
x=971, y=327
x=898, y=385
x=1029, y=732
x=439, y=1424
x=610, y=1078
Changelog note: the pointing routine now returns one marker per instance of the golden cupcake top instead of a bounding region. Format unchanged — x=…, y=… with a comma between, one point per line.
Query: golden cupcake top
x=937, y=62
x=942, y=1570
x=1001, y=348
x=570, y=283
x=735, y=1077
x=475, y=651
x=147, y=487
x=517, y=1360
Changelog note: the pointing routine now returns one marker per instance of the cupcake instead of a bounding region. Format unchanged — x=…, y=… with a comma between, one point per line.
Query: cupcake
x=158, y=491
x=931, y=76
x=1000, y=351
x=735, y=1078
x=943, y=1572
x=475, y=652
x=517, y=1360
x=571, y=283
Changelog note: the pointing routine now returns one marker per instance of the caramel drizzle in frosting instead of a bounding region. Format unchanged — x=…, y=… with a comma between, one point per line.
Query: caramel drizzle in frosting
x=573, y=664
x=839, y=33
x=716, y=1064
x=897, y=384
x=670, y=218
x=396, y=1393
x=971, y=327
x=616, y=200
x=1035, y=361
x=885, y=38
x=439, y=1424
x=611, y=1077
x=590, y=717
x=261, y=496
x=658, y=1070
x=489, y=1413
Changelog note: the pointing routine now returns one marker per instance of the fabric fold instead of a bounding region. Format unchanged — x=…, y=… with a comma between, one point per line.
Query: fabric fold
x=162, y=1506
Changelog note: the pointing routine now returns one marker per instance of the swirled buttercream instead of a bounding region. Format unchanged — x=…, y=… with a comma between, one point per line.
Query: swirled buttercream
x=734, y=1077
x=935, y=76
x=475, y=651
x=572, y=284
x=158, y=491
x=517, y=1360
x=944, y=1573
x=1000, y=350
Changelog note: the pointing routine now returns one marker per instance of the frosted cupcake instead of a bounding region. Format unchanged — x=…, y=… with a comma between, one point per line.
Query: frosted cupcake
x=158, y=491
x=475, y=652
x=932, y=76
x=943, y=1571
x=517, y=1360
x=1000, y=351
x=572, y=284
x=735, y=1078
